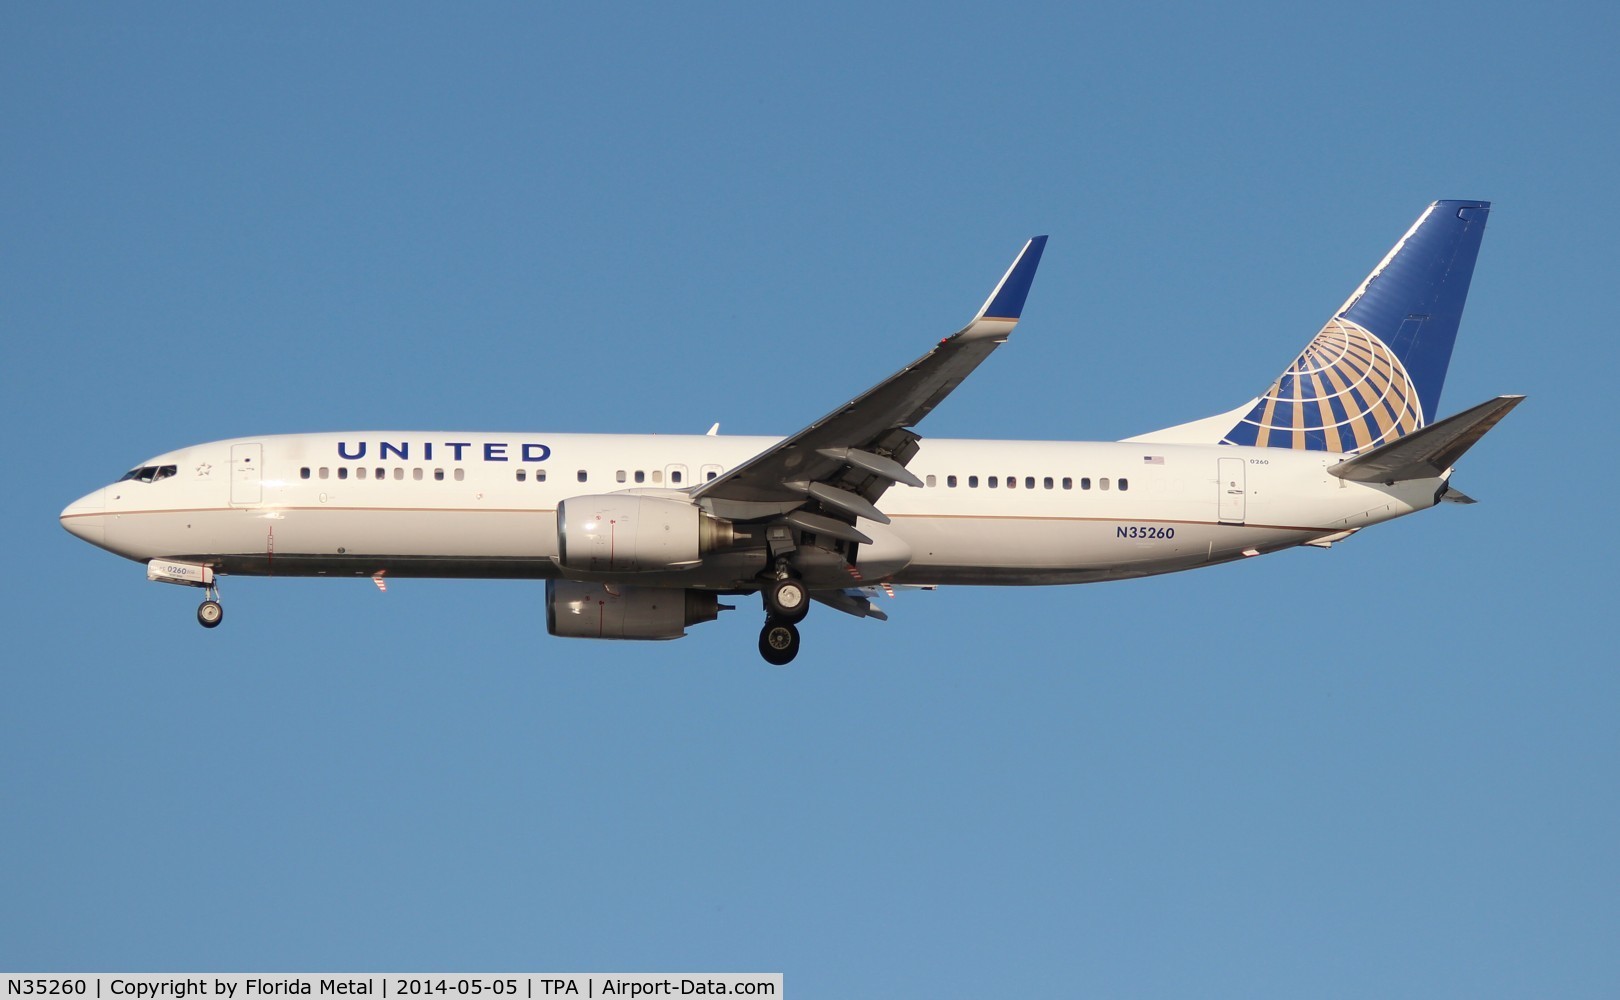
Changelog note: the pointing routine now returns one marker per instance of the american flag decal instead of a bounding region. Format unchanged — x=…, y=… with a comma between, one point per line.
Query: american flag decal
x=1152, y=459
x=377, y=578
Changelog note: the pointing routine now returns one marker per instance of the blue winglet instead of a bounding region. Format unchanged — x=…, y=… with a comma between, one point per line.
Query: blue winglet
x=1007, y=301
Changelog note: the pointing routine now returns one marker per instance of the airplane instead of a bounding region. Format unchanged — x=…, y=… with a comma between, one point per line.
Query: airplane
x=640, y=536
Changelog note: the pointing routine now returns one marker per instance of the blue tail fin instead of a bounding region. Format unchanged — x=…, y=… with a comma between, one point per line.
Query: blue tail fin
x=1375, y=371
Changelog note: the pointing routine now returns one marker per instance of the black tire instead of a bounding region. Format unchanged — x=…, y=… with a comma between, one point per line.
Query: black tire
x=778, y=643
x=788, y=600
x=210, y=614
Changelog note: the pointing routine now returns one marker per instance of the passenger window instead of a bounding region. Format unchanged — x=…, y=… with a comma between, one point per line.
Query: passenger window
x=399, y=473
x=539, y=475
x=343, y=472
x=360, y=473
x=675, y=477
x=1012, y=482
x=1124, y=484
x=438, y=475
x=460, y=475
x=1102, y=484
x=303, y=473
x=382, y=473
x=641, y=475
x=416, y=474
x=950, y=481
x=521, y=475
x=1029, y=483
x=657, y=477
x=1047, y=482
x=973, y=482
x=932, y=482
x=582, y=476
x=620, y=476
x=325, y=472
x=1068, y=483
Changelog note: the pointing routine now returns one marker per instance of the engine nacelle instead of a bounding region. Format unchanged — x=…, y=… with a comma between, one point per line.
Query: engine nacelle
x=606, y=611
x=629, y=533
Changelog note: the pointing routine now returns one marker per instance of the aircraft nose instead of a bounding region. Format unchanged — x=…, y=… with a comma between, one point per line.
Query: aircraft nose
x=86, y=517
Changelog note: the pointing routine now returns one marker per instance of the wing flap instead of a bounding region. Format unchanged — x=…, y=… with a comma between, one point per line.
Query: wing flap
x=831, y=527
x=850, y=602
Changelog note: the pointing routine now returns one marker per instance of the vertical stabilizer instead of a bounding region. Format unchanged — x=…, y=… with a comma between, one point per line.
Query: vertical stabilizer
x=1375, y=371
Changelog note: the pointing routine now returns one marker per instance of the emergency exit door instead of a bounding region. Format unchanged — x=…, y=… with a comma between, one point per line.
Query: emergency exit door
x=1233, y=490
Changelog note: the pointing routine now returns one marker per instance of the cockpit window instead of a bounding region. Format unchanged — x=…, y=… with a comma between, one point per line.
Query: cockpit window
x=148, y=473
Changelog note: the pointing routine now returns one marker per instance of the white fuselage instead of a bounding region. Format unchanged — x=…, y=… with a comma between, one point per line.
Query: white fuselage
x=484, y=505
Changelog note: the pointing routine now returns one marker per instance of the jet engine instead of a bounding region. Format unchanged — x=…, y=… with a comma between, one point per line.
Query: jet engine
x=605, y=611
x=630, y=533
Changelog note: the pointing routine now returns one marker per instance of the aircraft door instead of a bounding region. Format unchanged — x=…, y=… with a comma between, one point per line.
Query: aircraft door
x=245, y=476
x=1233, y=491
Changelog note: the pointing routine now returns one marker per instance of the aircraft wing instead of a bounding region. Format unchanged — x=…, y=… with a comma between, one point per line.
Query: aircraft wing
x=844, y=462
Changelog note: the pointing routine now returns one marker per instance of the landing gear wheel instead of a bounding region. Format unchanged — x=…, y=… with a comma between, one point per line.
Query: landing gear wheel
x=210, y=614
x=778, y=643
x=787, y=600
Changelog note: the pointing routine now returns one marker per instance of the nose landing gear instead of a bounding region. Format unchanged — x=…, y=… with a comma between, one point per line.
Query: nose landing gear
x=210, y=612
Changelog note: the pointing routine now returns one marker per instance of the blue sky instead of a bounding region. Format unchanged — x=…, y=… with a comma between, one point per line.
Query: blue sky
x=1388, y=769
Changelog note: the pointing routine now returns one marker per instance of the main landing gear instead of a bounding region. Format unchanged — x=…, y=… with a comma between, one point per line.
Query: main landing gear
x=778, y=642
x=210, y=612
x=787, y=601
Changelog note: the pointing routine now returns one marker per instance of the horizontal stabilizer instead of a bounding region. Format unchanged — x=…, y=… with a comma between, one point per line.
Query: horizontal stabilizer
x=1428, y=452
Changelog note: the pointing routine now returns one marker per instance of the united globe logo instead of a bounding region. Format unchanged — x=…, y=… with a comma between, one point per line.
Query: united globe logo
x=1346, y=392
